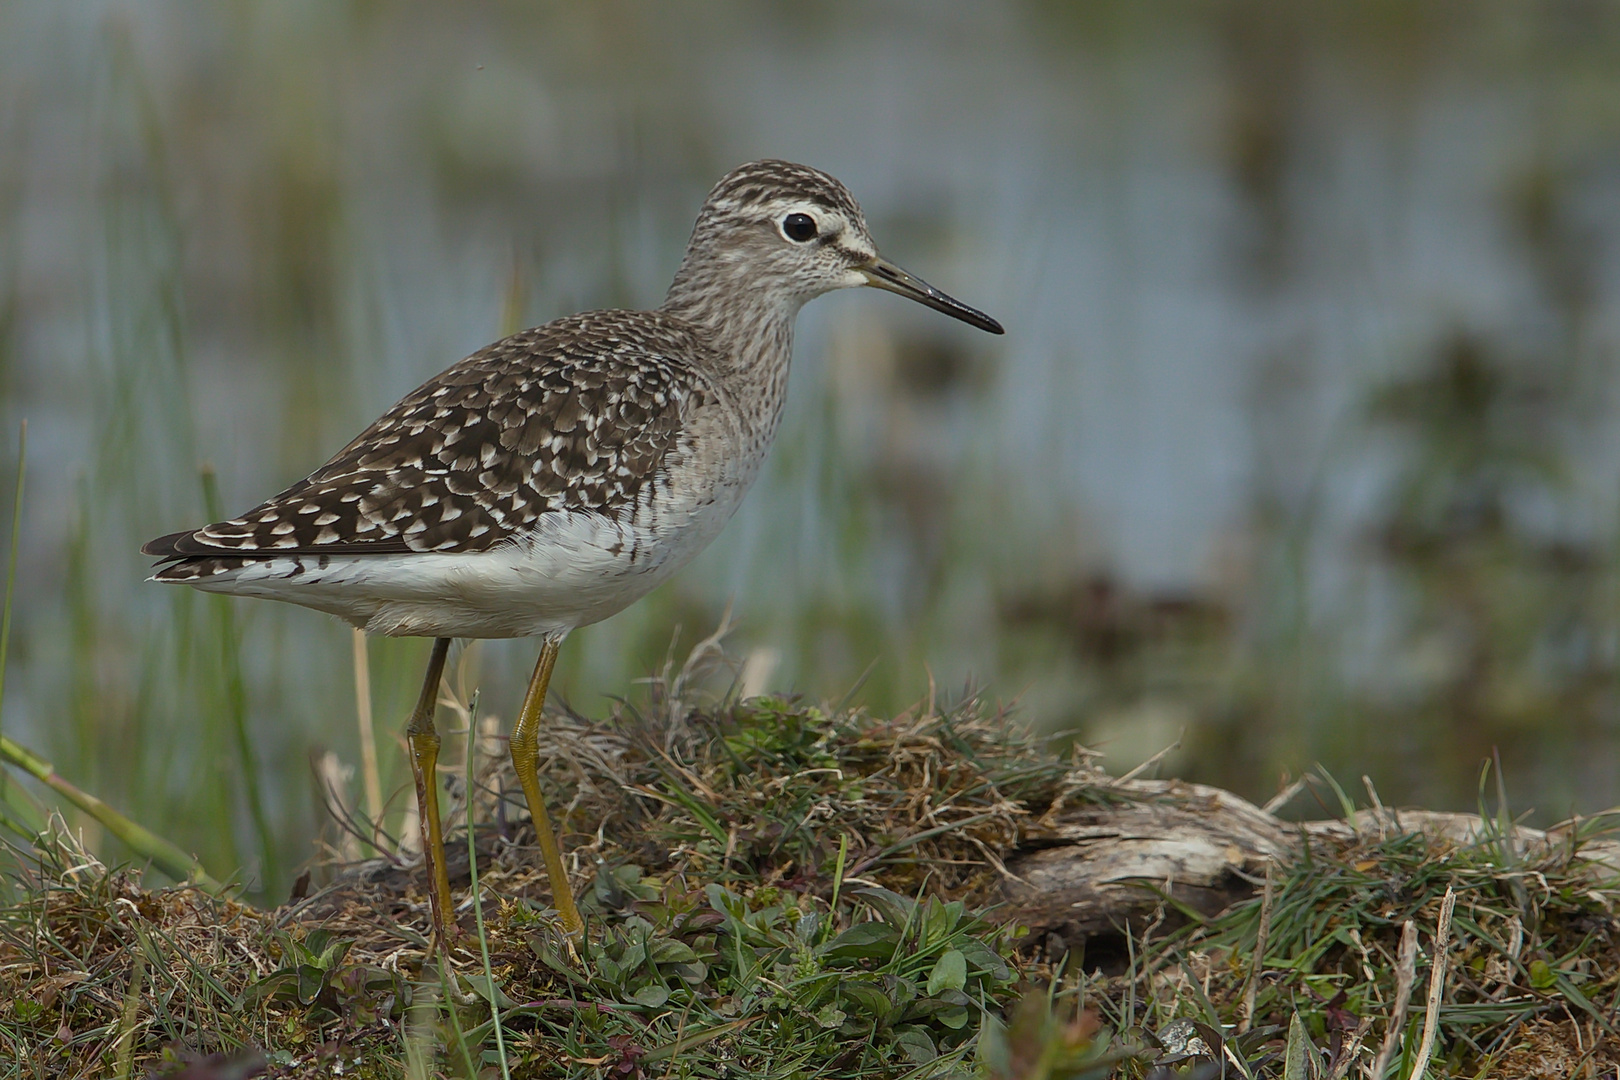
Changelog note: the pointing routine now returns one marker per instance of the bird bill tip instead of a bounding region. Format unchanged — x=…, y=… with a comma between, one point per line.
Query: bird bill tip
x=882, y=274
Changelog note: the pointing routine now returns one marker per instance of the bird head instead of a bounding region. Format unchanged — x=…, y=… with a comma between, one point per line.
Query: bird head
x=791, y=233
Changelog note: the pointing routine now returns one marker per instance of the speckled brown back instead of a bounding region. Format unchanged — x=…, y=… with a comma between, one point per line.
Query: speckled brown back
x=578, y=414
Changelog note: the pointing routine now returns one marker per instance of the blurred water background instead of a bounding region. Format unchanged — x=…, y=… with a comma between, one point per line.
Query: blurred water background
x=1302, y=445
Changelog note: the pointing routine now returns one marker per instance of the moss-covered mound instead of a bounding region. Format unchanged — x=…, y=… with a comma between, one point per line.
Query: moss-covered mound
x=774, y=889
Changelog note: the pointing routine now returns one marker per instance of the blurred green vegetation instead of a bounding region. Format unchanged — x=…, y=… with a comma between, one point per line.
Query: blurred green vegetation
x=231, y=234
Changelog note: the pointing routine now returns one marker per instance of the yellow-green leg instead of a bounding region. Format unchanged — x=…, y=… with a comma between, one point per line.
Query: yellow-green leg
x=526, y=760
x=424, y=739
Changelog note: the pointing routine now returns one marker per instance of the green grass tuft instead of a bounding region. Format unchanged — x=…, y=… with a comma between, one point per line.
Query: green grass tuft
x=778, y=890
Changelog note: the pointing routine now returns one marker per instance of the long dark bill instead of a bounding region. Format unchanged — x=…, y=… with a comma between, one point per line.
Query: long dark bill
x=883, y=274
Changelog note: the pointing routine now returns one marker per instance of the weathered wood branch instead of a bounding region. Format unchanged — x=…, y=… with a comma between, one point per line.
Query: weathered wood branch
x=1101, y=866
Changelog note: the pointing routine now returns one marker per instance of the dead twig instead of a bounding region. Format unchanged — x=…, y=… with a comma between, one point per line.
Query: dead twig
x=1437, y=984
x=1251, y=985
x=1405, y=972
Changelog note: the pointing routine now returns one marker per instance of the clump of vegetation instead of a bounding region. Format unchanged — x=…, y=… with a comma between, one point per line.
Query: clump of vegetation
x=1502, y=962
x=774, y=889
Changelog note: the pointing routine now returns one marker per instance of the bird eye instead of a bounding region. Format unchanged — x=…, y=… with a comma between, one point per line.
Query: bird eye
x=800, y=227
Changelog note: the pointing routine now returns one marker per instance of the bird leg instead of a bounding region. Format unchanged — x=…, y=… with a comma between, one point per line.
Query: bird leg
x=525, y=760
x=424, y=738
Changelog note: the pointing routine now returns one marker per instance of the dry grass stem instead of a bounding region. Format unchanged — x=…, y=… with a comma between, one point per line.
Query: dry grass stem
x=1258, y=960
x=1405, y=974
x=1437, y=984
x=1286, y=795
x=1150, y=762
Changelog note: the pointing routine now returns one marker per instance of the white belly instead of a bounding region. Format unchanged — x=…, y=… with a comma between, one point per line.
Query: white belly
x=577, y=568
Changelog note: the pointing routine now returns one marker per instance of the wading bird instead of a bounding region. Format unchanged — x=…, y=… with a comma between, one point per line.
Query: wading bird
x=555, y=477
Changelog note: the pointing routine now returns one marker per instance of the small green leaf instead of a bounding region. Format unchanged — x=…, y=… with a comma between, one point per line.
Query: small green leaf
x=915, y=1044
x=830, y=1016
x=725, y=901
x=868, y=998
x=983, y=958
x=609, y=970
x=869, y=940
x=265, y=988
x=651, y=996
x=482, y=985
x=901, y=990
x=950, y=973
x=936, y=922
x=670, y=951
x=891, y=907
x=315, y=942
x=955, y=1017
x=1542, y=976
x=332, y=954
x=311, y=980
x=1296, y=1058
x=695, y=972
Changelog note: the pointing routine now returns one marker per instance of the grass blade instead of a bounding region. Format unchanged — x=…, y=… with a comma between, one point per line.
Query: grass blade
x=163, y=854
x=236, y=703
x=697, y=1039
x=470, y=766
x=125, y=1043
x=11, y=581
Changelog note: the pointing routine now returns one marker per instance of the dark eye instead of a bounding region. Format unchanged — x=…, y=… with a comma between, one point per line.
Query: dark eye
x=800, y=227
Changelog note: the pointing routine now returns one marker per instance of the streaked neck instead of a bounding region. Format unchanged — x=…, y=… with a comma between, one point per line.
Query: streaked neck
x=749, y=323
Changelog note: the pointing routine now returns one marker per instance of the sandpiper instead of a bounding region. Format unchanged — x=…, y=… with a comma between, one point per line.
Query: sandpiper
x=555, y=477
